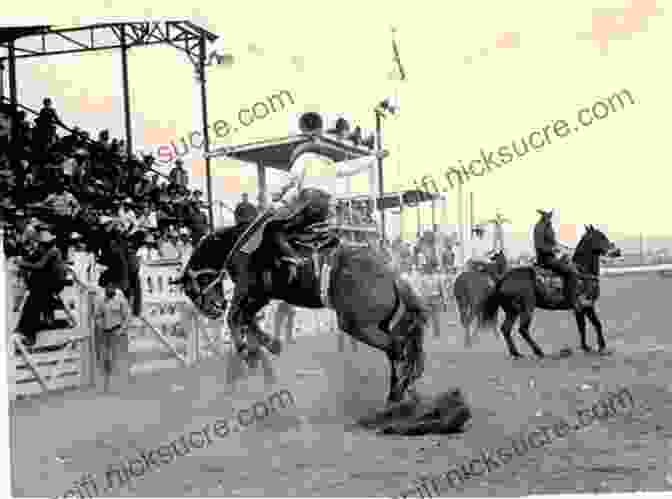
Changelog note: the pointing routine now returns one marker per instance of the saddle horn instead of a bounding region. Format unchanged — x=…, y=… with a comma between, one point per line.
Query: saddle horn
x=311, y=123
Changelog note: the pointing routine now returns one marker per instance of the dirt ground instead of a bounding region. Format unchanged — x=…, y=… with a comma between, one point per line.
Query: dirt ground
x=313, y=449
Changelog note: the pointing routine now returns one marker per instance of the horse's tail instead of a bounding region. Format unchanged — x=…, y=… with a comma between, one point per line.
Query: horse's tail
x=419, y=316
x=485, y=311
x=464, y=301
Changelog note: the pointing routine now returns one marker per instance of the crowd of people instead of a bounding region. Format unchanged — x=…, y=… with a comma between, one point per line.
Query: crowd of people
x=66, y=192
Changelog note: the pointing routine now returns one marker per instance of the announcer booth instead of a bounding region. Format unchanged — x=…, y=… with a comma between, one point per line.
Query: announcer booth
x=277, y=153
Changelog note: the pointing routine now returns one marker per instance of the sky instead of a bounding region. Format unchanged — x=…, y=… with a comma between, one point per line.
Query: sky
x=480, y=74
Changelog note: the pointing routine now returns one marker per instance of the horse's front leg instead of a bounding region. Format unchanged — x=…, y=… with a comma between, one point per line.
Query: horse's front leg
x=242, y=323
x=597, y=324
x=581, y=325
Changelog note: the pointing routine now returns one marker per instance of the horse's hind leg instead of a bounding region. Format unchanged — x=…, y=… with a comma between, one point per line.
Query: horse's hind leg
x=581, y=325
x=376, y=338
x=507, y=327
x=524, y=329
x=394, y=394
x=597, y=324
x=371, y=335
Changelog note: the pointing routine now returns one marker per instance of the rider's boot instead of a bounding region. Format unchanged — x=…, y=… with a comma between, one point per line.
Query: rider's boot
x=572, y=292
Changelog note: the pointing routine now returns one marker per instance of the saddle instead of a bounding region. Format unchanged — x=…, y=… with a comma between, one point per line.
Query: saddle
x=551, y=285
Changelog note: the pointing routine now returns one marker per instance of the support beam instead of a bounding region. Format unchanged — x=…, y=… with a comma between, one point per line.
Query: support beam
x=206, y=140
x=262, y=186
x=381, y=189
x=127, y=97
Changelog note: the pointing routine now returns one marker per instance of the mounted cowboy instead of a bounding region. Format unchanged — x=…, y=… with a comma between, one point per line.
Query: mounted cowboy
x=546, y=245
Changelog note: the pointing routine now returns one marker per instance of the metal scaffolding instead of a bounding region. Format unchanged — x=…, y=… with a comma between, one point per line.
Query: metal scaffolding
x=183, y=35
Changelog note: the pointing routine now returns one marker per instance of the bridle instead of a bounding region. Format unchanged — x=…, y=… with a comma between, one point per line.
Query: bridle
x=201, y=294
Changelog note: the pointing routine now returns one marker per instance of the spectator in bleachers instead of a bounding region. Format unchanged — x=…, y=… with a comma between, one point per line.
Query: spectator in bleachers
x=147, y=219
x=178, y=175
x=62, y=201
x=183, y=244
x=167, y=248
x=127, y=216
x=46, y=124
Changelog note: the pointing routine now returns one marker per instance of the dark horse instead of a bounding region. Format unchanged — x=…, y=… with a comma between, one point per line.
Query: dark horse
x=373, y=304
x=523, y=289
x=473, y=286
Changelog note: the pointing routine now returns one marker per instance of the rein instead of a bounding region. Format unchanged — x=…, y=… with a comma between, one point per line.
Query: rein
x=236, y=246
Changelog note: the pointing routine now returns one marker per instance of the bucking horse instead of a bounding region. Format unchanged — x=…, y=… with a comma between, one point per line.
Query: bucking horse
x=522, y=289
x=373, y=303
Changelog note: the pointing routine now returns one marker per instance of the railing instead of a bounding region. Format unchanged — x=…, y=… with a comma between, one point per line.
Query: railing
x=71, y=365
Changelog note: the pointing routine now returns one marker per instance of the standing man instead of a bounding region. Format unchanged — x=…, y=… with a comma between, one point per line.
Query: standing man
x=245, y=212
x=112, y=316
x=546, y=246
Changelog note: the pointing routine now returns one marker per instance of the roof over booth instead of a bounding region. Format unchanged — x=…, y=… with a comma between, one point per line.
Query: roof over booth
x=276, y=153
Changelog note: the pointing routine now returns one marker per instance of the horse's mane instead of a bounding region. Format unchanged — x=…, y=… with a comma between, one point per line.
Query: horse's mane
x=212, y=249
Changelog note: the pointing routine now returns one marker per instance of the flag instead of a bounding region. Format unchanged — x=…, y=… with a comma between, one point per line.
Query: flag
x=398, y=72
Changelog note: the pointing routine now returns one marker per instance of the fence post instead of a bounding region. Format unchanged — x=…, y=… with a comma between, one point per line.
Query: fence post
x=5, y=317
x=88, y=347
x=191, y=327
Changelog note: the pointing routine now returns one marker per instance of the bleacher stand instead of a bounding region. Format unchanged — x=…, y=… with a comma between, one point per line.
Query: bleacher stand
x=92, y=197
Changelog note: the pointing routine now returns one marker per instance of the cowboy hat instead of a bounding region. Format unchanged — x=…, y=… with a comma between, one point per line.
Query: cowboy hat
x=46, y=237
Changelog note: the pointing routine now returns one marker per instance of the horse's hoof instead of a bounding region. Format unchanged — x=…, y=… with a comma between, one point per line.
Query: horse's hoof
x=517, y=356
x=605, y=352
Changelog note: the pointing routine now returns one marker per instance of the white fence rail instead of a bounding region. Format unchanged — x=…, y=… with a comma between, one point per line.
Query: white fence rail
x=665, y=268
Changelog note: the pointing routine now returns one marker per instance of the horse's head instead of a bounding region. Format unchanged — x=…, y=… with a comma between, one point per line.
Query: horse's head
x=203, y=279
x=598, y=243
x=205, y=288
